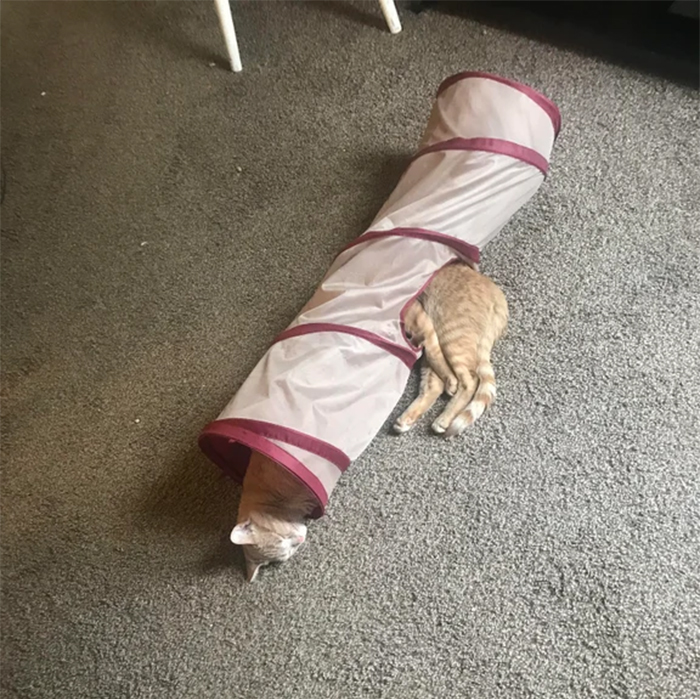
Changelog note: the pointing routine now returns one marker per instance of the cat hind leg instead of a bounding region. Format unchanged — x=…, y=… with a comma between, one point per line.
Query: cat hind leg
x=431, y=388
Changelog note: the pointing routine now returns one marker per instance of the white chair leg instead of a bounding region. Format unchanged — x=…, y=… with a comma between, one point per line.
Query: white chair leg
x=391, y=15
x=223, y=9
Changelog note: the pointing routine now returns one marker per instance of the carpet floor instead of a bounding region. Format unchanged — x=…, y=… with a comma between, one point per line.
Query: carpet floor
x=163, y=219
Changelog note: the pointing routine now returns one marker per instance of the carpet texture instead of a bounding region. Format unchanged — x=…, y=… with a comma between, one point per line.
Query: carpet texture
x=163, y=219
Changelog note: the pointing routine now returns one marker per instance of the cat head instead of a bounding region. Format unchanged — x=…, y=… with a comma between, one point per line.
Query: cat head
x=267, y=542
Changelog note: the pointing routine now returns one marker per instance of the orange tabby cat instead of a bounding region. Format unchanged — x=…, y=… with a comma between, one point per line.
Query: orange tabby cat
x=457, y=320
x=271, y=515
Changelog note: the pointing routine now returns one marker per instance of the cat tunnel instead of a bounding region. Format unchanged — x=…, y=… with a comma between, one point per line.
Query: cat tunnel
x=328, y=383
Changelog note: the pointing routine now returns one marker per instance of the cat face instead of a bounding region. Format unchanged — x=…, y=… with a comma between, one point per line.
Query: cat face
x=267, y=544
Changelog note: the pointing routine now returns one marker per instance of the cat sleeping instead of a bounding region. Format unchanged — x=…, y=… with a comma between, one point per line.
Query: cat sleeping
x=456, y=320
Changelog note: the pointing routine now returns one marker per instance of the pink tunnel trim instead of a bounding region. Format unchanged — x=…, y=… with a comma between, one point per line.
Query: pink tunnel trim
x=405, y=354
x=490, y=145
x=296, y=439
x=470, y=252
x=228, y=444
x=543, y=101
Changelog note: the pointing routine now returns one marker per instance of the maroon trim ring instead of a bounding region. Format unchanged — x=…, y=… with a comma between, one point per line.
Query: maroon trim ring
x=469, y=252
x=490, y=145
x=542, y=100
x=228, y=444
x=402, y=353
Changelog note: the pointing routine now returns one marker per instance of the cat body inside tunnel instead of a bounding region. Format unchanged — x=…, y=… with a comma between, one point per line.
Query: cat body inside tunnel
x=330, y=380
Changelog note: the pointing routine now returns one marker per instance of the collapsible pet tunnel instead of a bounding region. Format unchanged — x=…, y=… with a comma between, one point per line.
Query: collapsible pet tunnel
x=329, y=382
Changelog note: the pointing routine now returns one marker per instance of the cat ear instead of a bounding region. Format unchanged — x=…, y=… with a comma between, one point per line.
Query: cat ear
x=251, y=570
x=242, y=533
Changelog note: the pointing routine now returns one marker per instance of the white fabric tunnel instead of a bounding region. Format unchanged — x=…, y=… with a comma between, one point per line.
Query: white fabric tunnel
x=329, y=382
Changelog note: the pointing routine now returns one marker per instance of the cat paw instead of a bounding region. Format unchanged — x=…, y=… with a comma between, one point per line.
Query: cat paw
x=438, y=427
x=451, y=386
x=400, y=427
x=457, y=427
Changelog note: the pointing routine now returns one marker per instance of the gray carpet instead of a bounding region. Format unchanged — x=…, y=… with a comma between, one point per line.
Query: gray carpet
x=164, y=219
